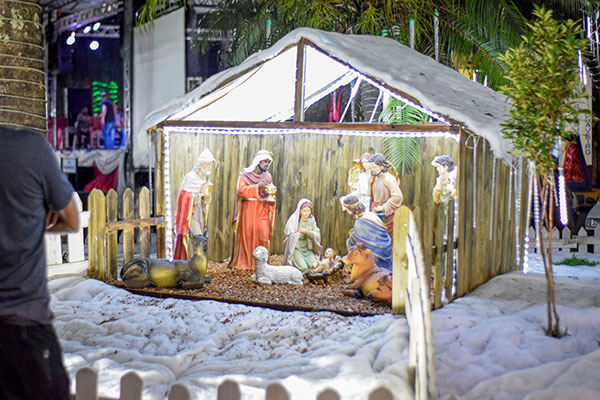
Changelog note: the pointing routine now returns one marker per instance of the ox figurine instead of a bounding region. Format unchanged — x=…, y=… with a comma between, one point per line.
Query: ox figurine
x=366, y=278
x=160, y=272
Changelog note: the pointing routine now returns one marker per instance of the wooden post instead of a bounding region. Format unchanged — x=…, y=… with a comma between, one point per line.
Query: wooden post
x=300, y=74
x=178, y=391
x=128, y=233
x=144, y=204
x=449, y=260
x=86, y=383
x=75, y=240
x=228, y=390
x=131, y=386
x=275, y=391
x=400, y=263
x=159, y=196
x=111, y=237
x=97, y=235
x=328, y=394
x=440, y=230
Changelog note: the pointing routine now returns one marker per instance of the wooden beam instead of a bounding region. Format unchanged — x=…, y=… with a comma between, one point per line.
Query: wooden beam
x=350, y=127
x=134, y=223
x=300, y=75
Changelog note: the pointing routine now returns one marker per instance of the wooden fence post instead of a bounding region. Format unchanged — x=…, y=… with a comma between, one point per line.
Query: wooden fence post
x=275, y=391
x=144, y=205
x=449, y=261
x=328, y=394
x=228, y=390
x=75, y=240
x=381, y=394
x=111, y=237
x=179, y=392
x=97, y=235
x=400, y=266
x=131, y=386
x=86, y=384
x=128, y=233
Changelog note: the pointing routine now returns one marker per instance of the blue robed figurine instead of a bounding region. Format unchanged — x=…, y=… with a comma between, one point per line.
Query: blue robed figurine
x=369, y=230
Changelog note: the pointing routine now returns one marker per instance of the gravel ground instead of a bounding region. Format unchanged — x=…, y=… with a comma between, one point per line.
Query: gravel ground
x=235, y=286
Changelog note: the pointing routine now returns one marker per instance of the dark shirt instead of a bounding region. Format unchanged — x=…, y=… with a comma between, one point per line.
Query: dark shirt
x=110, y=111
x=31, y=183
x=84, y=122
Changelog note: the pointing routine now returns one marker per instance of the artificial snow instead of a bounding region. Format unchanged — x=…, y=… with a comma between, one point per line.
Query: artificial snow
x=488, y=344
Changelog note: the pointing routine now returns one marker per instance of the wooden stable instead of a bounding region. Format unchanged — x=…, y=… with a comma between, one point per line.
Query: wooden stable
x=475, y=237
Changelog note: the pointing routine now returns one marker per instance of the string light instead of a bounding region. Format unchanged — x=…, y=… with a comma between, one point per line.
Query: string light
x=227, y=130
x=493, y=198
x=71, y=39
x=518, y=195
x=562, y=198
x=168, y=222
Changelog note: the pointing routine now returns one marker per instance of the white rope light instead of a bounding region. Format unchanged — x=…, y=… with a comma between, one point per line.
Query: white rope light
x=518, y=195
x=168, y=222
x=211, y=130
x=493, y=198
x=562, y=198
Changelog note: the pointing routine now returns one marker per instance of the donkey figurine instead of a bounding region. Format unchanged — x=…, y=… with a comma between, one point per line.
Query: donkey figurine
x=160, y=272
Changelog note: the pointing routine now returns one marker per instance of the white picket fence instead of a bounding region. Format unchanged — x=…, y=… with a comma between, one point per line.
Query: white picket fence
x=132, y=386
x=566, y=241
x=76, y=262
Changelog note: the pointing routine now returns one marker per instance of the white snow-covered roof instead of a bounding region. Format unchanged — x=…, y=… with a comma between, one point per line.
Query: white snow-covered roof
x=262, y=87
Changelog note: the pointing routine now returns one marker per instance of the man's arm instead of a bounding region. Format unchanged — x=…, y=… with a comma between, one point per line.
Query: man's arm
x=103, y=113
x=66, y=219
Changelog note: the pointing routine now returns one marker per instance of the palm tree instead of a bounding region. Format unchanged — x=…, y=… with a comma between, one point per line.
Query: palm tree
x=22, y=91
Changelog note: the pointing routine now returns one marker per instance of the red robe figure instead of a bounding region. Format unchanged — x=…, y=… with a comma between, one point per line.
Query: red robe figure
x=254, y=211
x=193, y=200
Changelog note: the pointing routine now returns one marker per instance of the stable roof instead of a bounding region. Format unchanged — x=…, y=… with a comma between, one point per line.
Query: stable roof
x=263, y=87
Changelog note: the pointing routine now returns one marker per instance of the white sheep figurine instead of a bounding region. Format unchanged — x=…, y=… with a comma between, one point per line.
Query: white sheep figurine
x=266, y=273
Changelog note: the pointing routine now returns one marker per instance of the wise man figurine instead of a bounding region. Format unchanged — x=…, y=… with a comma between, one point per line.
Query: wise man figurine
x=193, y=202
x=445, y=183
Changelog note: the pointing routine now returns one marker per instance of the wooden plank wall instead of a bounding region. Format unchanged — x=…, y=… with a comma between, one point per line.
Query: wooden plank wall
x=487, y=225
x=310, y=166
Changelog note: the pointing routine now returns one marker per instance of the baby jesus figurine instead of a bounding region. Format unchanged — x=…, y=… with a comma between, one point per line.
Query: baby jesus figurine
x=329, y=259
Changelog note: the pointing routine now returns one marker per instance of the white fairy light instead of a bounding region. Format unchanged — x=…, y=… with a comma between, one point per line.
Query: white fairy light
x=562, y=198
x=536, y=214
x=168, y=222
x=474, y=186
x=493, y=195
x=518, y=193
x=229, y=130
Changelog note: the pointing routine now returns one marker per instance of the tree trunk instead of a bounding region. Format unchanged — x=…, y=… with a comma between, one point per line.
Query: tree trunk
x=22, y=76
x=552, y=314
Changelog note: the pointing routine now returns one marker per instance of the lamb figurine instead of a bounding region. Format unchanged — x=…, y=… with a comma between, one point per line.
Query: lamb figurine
x=266, y=273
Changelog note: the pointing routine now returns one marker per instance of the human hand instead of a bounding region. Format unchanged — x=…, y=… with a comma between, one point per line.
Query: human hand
x=51, y=219
x=378, y=208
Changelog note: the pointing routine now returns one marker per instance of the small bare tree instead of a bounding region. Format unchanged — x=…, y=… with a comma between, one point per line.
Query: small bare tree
x=544, y=84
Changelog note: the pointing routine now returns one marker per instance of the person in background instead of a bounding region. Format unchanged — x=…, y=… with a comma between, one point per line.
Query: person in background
x=108, y=121
x=119, y=140
x=35, y=198
x=84, y=128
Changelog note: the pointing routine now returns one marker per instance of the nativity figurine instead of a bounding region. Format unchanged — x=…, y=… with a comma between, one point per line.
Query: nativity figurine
x=302, y=237
x=445, y=183
x=193, y=202
x=254, y=211
x=160, y=272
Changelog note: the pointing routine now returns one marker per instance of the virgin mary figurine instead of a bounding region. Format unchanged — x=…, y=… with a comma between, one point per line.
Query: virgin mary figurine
x=302, y=237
